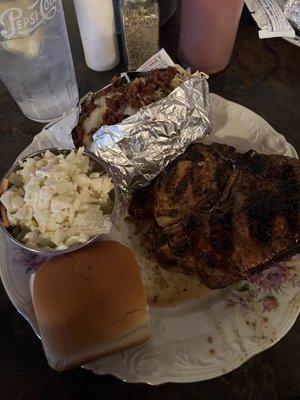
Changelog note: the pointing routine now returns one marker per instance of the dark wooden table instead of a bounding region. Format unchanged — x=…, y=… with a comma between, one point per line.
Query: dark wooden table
x=263, y=75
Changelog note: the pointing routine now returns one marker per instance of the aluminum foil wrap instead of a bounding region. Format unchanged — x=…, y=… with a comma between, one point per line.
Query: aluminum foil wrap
x=291, y=9
x=140, y=147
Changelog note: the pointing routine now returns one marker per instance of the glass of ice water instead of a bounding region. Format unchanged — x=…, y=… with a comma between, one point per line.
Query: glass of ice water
x=35, y=58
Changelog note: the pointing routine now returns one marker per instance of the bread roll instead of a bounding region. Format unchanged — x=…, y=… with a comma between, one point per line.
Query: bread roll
x=90, y=303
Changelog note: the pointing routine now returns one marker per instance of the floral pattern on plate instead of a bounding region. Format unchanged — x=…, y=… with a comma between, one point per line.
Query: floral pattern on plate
x=265, y=287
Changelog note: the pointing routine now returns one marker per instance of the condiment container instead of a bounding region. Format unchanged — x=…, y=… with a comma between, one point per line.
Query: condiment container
x=207, y=33
x=140, y=30
x=167, y=9
x=98, y=33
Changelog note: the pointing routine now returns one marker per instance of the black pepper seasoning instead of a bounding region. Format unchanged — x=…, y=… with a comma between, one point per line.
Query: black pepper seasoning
x=140, y=30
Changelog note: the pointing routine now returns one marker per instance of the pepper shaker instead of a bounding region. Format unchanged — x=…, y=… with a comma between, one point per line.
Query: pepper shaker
x=98, y=33
x=140, y=30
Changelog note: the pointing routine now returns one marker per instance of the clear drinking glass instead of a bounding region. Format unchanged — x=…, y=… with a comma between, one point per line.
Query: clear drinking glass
x=35, y=58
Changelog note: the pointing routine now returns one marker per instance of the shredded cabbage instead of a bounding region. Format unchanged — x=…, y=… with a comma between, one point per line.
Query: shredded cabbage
x=58, y=201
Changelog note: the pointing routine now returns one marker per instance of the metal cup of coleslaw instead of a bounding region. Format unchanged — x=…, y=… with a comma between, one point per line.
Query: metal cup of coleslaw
x=96, y=165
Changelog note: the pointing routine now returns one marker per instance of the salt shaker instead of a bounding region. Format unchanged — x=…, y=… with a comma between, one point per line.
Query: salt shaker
x=140, y=30
x=98, y=33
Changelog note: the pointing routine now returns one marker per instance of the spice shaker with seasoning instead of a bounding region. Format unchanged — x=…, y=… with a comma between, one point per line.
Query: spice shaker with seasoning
x=98, y=33
x=140, y=30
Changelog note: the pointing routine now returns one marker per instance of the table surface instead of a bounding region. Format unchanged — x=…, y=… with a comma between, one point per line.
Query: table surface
x=263, y=75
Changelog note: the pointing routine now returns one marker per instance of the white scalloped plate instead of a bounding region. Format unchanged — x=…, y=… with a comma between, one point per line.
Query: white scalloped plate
x=201, y=339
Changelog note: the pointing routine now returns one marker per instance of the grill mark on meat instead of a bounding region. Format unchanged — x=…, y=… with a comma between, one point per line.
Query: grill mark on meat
x=260, y=212
x=182, y=186
x=289, y=189
x=221, y=174
x=221, y=238
x=226, y=194
x=197, y=191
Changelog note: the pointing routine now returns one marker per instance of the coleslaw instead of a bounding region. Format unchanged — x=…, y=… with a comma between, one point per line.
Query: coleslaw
x=57, y=201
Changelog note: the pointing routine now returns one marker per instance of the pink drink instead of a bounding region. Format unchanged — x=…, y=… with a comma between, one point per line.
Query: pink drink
x=207, y=33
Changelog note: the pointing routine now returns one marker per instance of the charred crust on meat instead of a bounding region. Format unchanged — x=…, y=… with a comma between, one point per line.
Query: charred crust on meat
x=230, y=216
x=182, y=186
x=221, y=235
x=289, y=188
x=251, y=162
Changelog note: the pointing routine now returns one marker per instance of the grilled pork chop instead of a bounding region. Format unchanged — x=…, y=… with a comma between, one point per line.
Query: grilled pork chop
x=222, y=215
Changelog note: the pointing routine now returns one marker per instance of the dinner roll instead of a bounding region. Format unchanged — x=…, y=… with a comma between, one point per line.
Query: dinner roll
x=90, y=303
